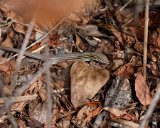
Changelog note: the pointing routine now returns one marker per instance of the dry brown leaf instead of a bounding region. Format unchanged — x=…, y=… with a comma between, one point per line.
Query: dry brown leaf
x=115, y=111
x=36, y=85
x=18, y=106
x=79, y=44
x=123, y=38
x=33, y=123
x=89, y=30
x=156, y=38
x=86, y=81
x=142, y=90
x=21, y=124
x=129, y=124
x=93, y=114
x=129, y=117
x=118, y=59
x=64, y=123
x=18, y=28
x=121, y=114
x=39, y=113
x=154, y=68
x=7, y=42
x=83, y=112
x=117, y=63
x=116, y=33
x=125, y=71
x=7, y=68
x=42, y=94
x=87, y=112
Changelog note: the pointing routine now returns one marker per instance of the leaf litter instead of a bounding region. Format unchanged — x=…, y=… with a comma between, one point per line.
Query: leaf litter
x=74, y=93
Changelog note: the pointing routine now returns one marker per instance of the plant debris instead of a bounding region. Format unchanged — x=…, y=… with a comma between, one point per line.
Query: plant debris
x=79, y=63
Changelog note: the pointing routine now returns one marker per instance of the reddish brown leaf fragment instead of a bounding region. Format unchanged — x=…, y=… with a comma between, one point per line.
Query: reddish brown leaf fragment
x=142, y=90
x=125, y=71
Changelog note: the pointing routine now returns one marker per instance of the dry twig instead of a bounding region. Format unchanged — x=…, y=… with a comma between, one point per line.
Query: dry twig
x=145, y=38
x=18, y=99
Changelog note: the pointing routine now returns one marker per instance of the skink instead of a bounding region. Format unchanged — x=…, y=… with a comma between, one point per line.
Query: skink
x=84, y=56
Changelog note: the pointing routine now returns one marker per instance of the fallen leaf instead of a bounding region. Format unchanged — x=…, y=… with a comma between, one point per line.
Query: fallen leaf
x=89, y=30
x=153, y=68
x=130, y=117
x=87, y=112
x=79, y=44
x=129, y=124
x=115, y=111
x=93, y=114
x=86, y=81
x=64, y=123
x=116, y=33
x=118, y=59
x=125, y=71
x=84, y=111
x=7, y=68
x=7, y=42
x=42, y=94
x=18, y=106
x=117, y=63
x=32, y=123
x=156, y=38
x=142, y=90
x=39, y=113
x=19, y=28
x=21, y=124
